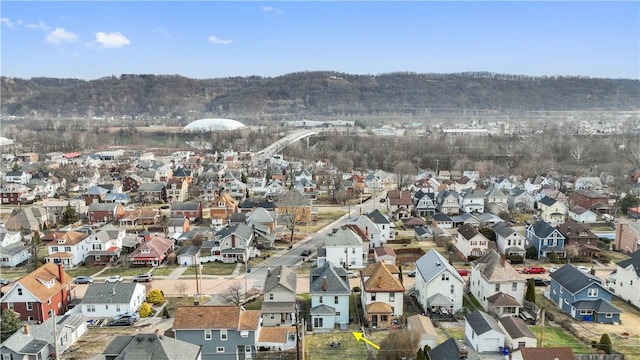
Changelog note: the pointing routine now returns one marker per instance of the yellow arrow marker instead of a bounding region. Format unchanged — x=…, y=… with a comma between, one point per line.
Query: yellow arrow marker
x=360, y=336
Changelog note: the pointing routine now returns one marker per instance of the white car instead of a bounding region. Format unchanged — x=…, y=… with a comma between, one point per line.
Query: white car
x=553, y=269
x=584, y=269
x=114, y=279
x=352, y=274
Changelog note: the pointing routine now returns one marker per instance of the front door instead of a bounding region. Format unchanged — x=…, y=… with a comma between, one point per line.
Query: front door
x=374, y=320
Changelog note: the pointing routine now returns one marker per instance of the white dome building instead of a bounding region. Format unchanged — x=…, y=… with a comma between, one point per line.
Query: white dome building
x=215, y=124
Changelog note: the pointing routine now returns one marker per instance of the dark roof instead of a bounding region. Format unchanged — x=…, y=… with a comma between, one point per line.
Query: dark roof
x=441, y=217
x=250, y=204
x=573, y=279
x=377, y=217
x=333, y=278
x=547, y=201
x=502, y=229
x=542, y=229
x=151, y=347
x=450, y=350
x=282, y=276
x=600, y=306
x=482, y=322
x=634, y=261
x=109, y=293
x=468, y=231
x=187, y=205
x=515, y=327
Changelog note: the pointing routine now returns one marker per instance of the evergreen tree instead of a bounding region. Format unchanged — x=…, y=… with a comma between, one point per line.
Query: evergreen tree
x=9, y=324
x=243, y=178
x=530, y=295
x=605, y=343
x=70, y=215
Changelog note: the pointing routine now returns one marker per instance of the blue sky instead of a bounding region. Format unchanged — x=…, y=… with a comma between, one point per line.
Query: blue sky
x=212, y=39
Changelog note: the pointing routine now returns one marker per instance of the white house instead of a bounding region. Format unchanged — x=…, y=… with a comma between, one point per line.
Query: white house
x=483, y=333
x=13, y=251
x=472, y=201
x=582, y=215
x=69, y=249
x=329, y=288
x=343, y=248
x=470, y=242
x=509, y=241
x=111, y=299
x=383, y=223
x=496, y=284
x=382, y=294
x=438, y=285
x=628, y=279
x=371, y=230
x=517, y=333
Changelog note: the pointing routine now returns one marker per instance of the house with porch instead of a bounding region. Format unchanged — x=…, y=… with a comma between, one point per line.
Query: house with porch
x=381, y=294
x=191, y=210
x=152, y=193
x=509, y=241
x=223, y=206
x=551, y=210
x=13, y=251
x=472, y=201
x=447, y=202
x=232, y=244
x=280, y=305
x=578, y=236
x=438, y=286
x=581, y=296
x=495, y=200
x=371, y=231
x=330, y=291
x=105, y=246
x=520, y=200
x=399, y=203
x=152, y=252
x=70, y=249
x=423, y=203
x=545, y=238
x=470, y=242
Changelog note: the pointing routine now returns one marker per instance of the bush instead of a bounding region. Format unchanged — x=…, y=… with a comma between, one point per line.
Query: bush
x=356, y=289
x=155, y=297
x=605, y=343
x=145, y=310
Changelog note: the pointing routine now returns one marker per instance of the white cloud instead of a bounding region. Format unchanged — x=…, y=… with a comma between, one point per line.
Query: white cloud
x=213, y=39
x=269, y=9
x=111, y=40
x=38, y=26
x=10, y=24
x=59, y=36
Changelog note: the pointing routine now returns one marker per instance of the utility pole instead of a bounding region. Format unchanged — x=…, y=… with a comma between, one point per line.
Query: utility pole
x=197, y=284
x=55, y=337
x=542, y=332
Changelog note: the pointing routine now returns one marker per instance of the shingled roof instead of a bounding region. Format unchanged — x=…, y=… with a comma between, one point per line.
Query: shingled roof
x=35, y=282
x=281, y=276
x=381, y=279
x=494, y=269
x=215, y=317
x=633, y=261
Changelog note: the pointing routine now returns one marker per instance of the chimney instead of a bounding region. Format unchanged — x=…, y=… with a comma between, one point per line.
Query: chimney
x=324, y=283
x=61, y=273
x=463, y=353
x=366, y=231
x=233, y=241
x=503, y=259
x=26, y=329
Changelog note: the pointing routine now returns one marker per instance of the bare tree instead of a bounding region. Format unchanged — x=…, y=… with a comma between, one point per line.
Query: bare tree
x=295, y=210
x=233, y=294
x=578, y=153
x=180, y=287
x=404, y=173
x=398, y=345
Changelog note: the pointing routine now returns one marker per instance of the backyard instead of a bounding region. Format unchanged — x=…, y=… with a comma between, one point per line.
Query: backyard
x=318, y=346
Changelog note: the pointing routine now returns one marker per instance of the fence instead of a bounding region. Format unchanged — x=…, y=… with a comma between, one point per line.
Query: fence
x=599, y=356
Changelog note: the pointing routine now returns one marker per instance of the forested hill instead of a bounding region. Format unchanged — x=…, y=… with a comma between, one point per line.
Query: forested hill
x=312, y=94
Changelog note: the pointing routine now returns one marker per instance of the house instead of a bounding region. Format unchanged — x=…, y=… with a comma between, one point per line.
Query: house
x=263, y=217
x=191, y=210
x=39, y=294
x=385, y=254
x=152, y=193
x=105, y=212
x=189, y=256
x=293, y=204
x=381, y=295
x=482, y=332
x=70, y=249
x=105, y=246
x=520, y=200
x=504, y=183
x=545, y=239
x=423, y=233
x=497, y=286
x=330, y=291
x=627, y=284
x=627, y=236
x=17, y=177
x=280, y=305
x=534, y=185
x=582, y=215
x=223, y=332
x=177, y=190
x=150, y=346
x=579, y=240
x=29, y=218
x=423, y=203
x=438, y=286
x=590, y=183
x=442, y=221
x=383, y=224
x=344, y=248
x=399, y=203
x=111, y=299
x=447, y=202
x=581, y=296
x=465, y=218
x=221, y=208
x=13, y=251
x=152, y=252
x=495, y=200
x=551, y=353
x=509, y=241
x=131, y=183
x=472, y=201
x=11, y=193
x=234, y=244
x=552, y=210
x=94, y=194
x=464, y=183
x=517, y=333
x=453, y=349
x=423, y=328
x=178, y=225
x=39, y=341
x=470, y=242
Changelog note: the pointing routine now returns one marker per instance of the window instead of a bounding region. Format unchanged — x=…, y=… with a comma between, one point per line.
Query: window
x=608, y=315
x=337, y=313
x=10, y=305
x=353, y=251
x=593, y=292
x=96, y=258
x=373, y=296
x=117, y=308
x=383, y=318
x=244, y=334
x=220, y=349
x=50, y=313
x=566, y=301
x=223, y=335
x=270, y=296
x=29, y=305
x=67, y=248
x=54, y=249
x=514, y=287
x=49, y=301
x=318, y=322
x=585, y=312
x=247, y=349
x=392, y=296
x=91, y=308
x=320, y=299
x=29, y=318
x=272, y=316
x=19, y=291
x=445, y=276
x=453, y=288
x=106, y=307
x=497, y=287
x=207, y=334
x=335, y=300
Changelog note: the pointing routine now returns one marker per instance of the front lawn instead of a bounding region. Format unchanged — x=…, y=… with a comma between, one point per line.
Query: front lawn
x=82, y=271
x=213, y=268
x=164, y=270
x=125, y=271
x=174, y=302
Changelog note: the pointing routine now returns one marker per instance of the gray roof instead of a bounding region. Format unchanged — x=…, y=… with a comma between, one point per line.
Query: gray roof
x=600, y=306
x=14, y=248
x=323, y=309
x=377, y=217
x=439, y=300
x=291, y=198
x=432, y=264
x=42, y=332
x=103, y=206
x=343, y=236
x=109, y=293
x=242, y=230
x=152, y=187
x=260, y=215
x=502, y=229
x=633, y=261
x=441, y=217
x=189, y=250
x=542, y=229
x=449, y=350
x=335, y=279
x=547, y=201
x=282, y=276
x=573, y=279
x=187, y=205
x=515, y=327
x=481, y=322
x=151, y=347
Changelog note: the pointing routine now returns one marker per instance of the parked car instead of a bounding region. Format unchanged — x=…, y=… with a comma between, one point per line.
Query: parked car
x=534, y=270
x=143, y=278
x=352, y=274
x=121, y=322
x=114, y=279
x=539, y=282
x=411, y=273
x=4, y=282
x=464, y=272
x=83, y=280
x=130, y=315
x=307, y=252
x=553, y=269
x=584, y=269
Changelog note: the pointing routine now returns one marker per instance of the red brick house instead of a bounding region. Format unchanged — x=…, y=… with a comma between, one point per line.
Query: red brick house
x=190, y=209
x=131, y=183
x=580, y=235
x=589, y=199
x=105, y=212
x=37, y=295
x=11, y=193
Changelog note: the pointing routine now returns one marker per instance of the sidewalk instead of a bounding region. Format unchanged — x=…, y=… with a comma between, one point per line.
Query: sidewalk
x=177, y=273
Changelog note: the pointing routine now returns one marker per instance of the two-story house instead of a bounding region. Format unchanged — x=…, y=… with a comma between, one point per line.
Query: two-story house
x=627, y=284
x=13, y=251
x=472, y=201
x=371, y=231
x=496, y=284
x=111, y=299
x=581, y=296
x=470, y=242
x=423, y=203
x=294, y=204
x=223, y=332
x=344, y=248
x=495, y=200
x=39, y=294
x=329, y=288
x=384, y=225
x=438, y=286
x=11, y=193
x=177, y=190
x=509, y=241
x=545, y=239
x=131, y=183
x=191, y=210
x=105, y=212
x=152, y=252
x=222, y=207
x=520, y=200
x=280, y=305
x=381, y=294
x=447, y=202
x=154, y=345
x=399, y=204
x=580, y=238
x=627, y=236
x=70, y=249
x=234, y=243
x=551, y=210
x=152, y=193
x=105, y=246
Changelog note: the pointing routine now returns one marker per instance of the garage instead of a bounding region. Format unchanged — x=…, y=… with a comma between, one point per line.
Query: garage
x=490, y=345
